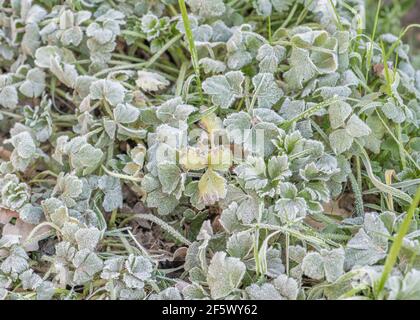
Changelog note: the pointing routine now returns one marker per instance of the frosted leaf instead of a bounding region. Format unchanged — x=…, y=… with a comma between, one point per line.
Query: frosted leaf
x=297, y=253
x=275, y=265
x=153, y=26
x=111, y=187
x=126, y=113
x=68, y=187
x=112, y=268
x=266, y=90
x=87, y=264
x=287, y=287
x=139, y=270
x=225, y=89
x=339, y=112
x=60, y=216
x=31, y=214
x=229, y=218
x=224, y=275
x=375, y=227
x=3, y=293
x=86, y=157
x=263, y=7
x=290, y=206
x=14, y=194
x=24, y=145
x=45, y=291
x=278, y=168
x=333, y=263
x=348, y=78
x=267, y=115
x=16, y=262
x=87, y=238
x=104, y=32
x=253, y=172
x=247, y=210
x=164, y=203
x=194, y=292
x=356, y=128
x=151, y=81
x=211, y=187
x=212, y=66
x=64, y=72
x=30, y=280
x=282, y=288
x=44, y=56
x=266, y=291
x=340, y=141
x=173, y=111
x=239, y=59
x=109, y=90
x=34, y=84
x=240, y=244
x=393, y=113
x=302, y=69
x=236, y=124
x=313, y=266
x=292, y=108
x=407, y=288
x=30, y=40
x=167, y=294
x=8, y=97
x=207, y=9
x=270, y=57
x=64, y=252
x=169, y=176
x=370, y=244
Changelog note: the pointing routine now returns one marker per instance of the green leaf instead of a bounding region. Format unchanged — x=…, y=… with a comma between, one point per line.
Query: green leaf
x=302, y=69
x=340, y=141
x=225, y=89
x=339, y=112
x=169, y=176
x=34, y=84
x=111, y=91
x=266, y=89
x=224, y=275
x=356, y=128
x=270, y=57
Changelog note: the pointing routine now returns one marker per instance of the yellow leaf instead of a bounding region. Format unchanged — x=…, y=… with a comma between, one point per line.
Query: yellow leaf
x=211, y=187
x=220, y=158
x=211, y=123
x=193, y=158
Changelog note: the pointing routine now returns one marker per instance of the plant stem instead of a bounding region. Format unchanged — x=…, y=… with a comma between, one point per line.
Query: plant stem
x=191, y=44
x=398, y=240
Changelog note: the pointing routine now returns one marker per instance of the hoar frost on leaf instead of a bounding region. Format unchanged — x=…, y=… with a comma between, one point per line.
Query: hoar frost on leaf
x=224, y=275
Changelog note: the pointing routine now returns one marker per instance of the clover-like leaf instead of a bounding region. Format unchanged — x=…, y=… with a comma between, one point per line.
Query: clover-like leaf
x=151, y=81
x=370, y=244
x=211, y=187
x=225, y=89
x=87, y=264
x=8, y=97
x=206, y=8
x=267, y=91
x=302, y=69
x=87, y=238
x=270, y=57
x=111, y=91
x=111, y=186
x=34, y=84
x=224, y=275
